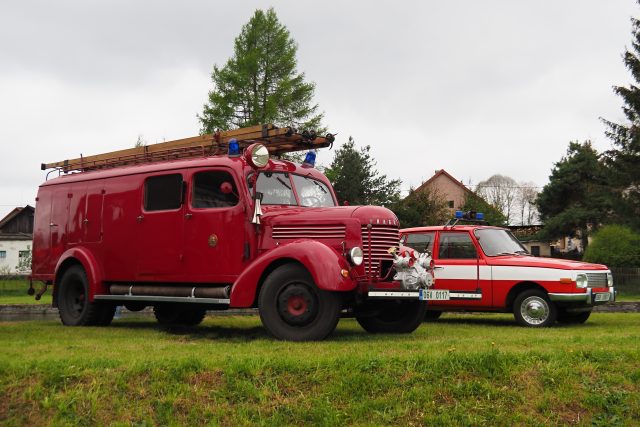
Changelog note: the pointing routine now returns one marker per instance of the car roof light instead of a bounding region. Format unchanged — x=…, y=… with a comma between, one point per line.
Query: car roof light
x=309, y=160
x=459, y=214
x=479, y=216
x=234, y=148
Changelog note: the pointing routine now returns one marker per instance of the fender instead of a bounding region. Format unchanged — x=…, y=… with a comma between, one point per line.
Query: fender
x=324, y=263
x=91, y=267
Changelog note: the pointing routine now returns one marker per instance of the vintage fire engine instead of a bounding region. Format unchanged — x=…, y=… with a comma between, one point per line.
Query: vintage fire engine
x=212, y=222
x=483, y=268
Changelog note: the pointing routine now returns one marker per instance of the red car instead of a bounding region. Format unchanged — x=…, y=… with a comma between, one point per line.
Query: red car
x=483, y=268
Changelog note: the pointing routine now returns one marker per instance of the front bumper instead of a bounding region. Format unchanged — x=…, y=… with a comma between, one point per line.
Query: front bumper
x=588, y=298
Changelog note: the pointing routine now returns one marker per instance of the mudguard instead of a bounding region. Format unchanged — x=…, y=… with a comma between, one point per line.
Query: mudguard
x=91, y=267
x=324, y=263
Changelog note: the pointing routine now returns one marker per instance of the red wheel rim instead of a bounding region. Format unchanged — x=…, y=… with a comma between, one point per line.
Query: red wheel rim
x=297, y=305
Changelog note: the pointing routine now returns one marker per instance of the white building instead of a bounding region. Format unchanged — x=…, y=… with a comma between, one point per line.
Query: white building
x=16, y=236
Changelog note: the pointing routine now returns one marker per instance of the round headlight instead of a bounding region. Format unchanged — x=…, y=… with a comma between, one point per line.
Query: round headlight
x=582, y=281
x=356, y=256
x=257, y=155
x=609, y=279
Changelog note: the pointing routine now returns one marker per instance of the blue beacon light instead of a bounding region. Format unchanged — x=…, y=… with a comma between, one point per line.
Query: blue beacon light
x=459, y=214
x=309, y=160
x=479, y=216
x=234, y=148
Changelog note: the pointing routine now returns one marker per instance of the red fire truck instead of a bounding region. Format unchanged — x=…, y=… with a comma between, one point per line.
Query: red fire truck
x=212, y=222
x=483, y=268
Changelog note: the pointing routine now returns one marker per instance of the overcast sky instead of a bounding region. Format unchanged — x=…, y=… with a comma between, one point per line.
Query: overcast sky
x=475, y=88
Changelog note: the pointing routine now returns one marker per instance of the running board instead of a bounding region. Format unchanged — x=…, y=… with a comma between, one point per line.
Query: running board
x=152, y=298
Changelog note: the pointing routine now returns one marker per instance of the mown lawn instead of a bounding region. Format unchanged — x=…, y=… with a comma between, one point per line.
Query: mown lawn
x=461, y=370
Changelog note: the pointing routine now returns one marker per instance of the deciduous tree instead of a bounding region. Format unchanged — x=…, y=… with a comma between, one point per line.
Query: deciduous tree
x=260, y=82
x=421, y=208
x=501, y=192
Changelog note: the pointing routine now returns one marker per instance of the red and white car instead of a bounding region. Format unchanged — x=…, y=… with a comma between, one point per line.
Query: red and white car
x=483, y=268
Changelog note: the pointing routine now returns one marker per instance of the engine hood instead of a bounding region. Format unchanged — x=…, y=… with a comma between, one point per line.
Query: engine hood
x=292, y=214
x=529, y=261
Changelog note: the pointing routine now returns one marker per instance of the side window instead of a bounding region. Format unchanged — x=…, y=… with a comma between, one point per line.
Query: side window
x=163, y=192
x=421, y=242
x=214, y=189
x=456, y=246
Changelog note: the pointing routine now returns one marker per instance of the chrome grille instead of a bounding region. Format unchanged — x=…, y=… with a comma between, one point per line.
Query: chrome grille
x=316, y=232
x=597, y=280
x=382, y=238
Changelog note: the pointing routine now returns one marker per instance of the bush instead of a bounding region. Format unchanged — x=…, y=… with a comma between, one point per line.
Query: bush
x=615, y=246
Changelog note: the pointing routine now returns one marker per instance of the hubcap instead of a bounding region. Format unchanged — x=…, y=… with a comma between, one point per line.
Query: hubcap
x=297, y=304
x=534, y=310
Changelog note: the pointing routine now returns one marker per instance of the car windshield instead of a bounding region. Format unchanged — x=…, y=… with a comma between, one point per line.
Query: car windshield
x=496, y=242
x=277, y=188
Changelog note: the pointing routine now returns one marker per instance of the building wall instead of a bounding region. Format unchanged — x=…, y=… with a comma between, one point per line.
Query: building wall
x=544, y=248
x=12, y=249
x=449, y=191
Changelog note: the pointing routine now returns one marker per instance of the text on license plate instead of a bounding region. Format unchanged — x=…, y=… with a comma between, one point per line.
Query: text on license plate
x=434, y=295
x=602, y=297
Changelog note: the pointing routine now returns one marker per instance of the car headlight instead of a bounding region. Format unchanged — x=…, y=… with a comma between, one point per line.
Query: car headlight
x=609, y=280
x=257, y=155
x=356, y=256
x=582, y=281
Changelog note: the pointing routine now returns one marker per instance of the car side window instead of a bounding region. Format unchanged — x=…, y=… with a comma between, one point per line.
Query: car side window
x=214, y=189
x=163, y=192
x=421, y=242
x=456, y=246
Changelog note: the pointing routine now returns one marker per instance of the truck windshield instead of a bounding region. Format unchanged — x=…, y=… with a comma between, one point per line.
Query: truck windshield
x=496, y=242
x=277, y=188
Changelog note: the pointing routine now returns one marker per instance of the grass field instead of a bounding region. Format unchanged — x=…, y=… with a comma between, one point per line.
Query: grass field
x=462, y=370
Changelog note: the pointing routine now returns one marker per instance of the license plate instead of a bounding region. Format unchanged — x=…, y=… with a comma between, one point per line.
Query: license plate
x=434, y=295
x=603, y=297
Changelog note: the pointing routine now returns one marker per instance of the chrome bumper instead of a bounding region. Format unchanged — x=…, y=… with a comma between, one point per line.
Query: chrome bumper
x=587, y=298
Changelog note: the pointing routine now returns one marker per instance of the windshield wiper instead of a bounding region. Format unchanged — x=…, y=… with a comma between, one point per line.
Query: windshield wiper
x=505, y=253
x=319, y=186
x=283, y=183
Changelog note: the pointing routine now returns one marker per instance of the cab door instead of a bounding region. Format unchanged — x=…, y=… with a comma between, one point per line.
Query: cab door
x=215, y=227
x=461, y=269
x=159, y=229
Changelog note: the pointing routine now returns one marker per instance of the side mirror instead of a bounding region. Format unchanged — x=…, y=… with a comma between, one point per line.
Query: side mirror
x=226, y=188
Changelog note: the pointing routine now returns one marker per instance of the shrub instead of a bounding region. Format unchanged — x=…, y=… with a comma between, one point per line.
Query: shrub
x=615, y=246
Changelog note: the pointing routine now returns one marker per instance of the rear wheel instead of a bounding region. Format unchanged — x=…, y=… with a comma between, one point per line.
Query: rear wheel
x=532, y=308
x=565, y=316
x=293, y=308
x=432, y=315
x=393, y=316
x=174, y=314
x=73, y=301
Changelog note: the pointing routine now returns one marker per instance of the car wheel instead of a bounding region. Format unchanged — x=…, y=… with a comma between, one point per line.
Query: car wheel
x=532, y=308
x=293, y=308
x=74, y=306
x=398, y=317
x=573, y=317
x=432, y=315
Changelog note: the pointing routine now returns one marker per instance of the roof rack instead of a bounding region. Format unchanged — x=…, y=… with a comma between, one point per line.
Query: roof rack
x=277, y=140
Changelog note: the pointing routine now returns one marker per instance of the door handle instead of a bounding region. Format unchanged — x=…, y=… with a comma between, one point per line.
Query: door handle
x=86, y=221
x=52, y=224
x=188, y=215
x=140, y=218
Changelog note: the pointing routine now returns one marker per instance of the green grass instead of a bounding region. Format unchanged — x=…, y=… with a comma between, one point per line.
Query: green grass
x=15, y=292
x=461, y=370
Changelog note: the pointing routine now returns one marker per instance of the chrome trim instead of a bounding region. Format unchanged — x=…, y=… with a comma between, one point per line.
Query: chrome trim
x=587, y=298
x=393, y=294
x=151, y=298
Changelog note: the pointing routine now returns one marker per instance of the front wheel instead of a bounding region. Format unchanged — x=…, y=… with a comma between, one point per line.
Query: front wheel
x=573, y=317
x=293, y=308
x=398, y=317
x=533, y=309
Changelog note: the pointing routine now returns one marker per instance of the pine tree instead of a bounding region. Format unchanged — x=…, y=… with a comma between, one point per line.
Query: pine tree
x=355, y=178
x=624, y=158
x=260, y=83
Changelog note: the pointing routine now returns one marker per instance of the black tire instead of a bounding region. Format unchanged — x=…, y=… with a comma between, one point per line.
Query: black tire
x=532, y=308
x=573, y=317
x=432, y=315
x=175, y=315
x=393, y=317
x=74, y=306
x=293, y=308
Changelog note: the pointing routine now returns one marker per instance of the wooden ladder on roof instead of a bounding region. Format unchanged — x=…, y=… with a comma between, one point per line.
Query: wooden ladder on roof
x=277, y=140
